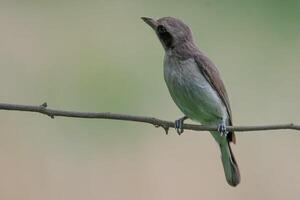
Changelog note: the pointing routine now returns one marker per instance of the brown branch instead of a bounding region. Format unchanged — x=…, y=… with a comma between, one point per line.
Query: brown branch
x=149, y=120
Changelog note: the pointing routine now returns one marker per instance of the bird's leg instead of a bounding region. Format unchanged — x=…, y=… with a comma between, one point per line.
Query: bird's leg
x=179, y=124
x=222, y=129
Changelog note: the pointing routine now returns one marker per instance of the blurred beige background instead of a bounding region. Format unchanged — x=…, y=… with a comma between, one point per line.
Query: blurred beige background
x=99, y=56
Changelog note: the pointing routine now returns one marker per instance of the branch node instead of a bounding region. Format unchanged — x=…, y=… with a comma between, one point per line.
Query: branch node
x=45, y=111
x=44, y=105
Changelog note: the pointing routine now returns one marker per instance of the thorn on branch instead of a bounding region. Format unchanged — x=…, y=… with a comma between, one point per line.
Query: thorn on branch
x=166, y=128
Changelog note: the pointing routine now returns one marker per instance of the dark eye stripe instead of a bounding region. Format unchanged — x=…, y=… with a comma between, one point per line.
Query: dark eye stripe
x=161, y=29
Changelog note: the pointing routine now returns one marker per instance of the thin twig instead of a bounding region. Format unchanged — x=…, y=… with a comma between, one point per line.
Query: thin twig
x=149, y=120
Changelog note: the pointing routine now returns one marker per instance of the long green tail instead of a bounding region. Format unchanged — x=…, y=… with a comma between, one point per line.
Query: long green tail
x=231, y=169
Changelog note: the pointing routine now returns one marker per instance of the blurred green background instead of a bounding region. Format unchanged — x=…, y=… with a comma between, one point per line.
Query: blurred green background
x=99, y=56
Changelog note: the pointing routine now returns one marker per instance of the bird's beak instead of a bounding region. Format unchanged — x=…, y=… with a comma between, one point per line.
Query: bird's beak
x=151, y=22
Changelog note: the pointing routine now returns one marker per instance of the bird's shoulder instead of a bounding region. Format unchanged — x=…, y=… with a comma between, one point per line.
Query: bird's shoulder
x=209, y=71
x=212, y=75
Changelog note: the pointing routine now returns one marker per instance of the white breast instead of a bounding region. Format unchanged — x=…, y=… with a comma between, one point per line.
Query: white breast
x=192, y=92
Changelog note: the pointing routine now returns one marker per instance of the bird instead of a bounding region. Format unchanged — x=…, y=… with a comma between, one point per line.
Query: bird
x=196, y=87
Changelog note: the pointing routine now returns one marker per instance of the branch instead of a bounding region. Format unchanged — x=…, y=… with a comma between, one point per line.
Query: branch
x=149, y=120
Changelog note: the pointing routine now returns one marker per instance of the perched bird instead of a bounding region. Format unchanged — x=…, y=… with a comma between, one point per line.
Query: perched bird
x=196, y=87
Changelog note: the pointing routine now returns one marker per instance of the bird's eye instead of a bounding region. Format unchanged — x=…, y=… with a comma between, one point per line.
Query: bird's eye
x=161, y=29
x=165, y=36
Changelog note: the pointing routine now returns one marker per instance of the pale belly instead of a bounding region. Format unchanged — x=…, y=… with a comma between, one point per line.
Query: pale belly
x=192, y=93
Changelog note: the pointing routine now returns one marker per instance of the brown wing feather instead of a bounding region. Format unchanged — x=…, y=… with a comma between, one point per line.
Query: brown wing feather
x=212, y=75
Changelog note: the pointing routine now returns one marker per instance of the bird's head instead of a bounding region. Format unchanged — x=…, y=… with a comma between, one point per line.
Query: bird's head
x=171, y=32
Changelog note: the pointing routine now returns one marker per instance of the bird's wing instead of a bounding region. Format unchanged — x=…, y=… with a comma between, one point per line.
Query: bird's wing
x=211, y=73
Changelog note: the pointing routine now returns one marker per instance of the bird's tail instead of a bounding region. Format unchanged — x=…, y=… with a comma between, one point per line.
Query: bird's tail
x=229, y=163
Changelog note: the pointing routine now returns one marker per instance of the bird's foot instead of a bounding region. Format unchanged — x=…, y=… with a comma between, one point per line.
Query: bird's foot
x=222, y=129
x=179, y=125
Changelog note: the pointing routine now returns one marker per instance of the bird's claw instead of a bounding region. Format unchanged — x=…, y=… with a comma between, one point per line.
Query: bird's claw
x=222, y=129
x=179, y=125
